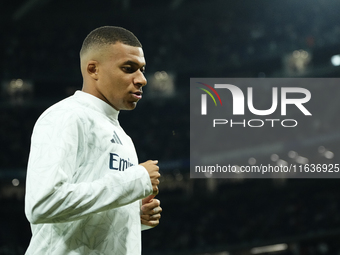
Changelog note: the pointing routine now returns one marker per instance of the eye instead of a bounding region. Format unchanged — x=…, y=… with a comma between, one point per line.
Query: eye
x=128, y=69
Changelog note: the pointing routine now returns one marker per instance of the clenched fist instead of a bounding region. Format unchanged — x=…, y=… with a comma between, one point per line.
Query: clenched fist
x=153, y=170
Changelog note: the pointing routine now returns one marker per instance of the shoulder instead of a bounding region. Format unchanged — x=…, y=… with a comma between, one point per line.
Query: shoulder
x=68, y=110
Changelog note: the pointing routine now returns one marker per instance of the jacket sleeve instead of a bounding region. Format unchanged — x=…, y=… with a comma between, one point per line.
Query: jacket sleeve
x=145, y=227
x=52, y=197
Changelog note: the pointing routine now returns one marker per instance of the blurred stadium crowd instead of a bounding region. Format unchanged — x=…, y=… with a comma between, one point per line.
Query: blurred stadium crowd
x=185, y=38
x=210, y=38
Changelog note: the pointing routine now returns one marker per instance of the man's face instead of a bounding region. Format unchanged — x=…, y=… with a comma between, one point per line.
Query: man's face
x=121, y=76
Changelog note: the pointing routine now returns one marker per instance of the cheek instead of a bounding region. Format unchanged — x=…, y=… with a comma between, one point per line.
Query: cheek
x=124, y=85
x=117, y=85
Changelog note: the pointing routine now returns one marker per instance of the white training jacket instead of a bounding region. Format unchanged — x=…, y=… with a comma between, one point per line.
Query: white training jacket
x=84, y=185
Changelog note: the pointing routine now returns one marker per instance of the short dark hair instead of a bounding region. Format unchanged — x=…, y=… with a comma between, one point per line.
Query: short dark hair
x=109, y=35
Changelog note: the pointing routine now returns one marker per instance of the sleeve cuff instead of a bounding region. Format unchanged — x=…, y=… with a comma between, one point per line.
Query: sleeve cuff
x=145, y=227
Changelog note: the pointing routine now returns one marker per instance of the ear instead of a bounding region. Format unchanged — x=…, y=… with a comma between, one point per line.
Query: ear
x=92, y=69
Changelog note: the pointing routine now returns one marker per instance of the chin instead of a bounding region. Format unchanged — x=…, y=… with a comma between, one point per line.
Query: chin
x=130, y=106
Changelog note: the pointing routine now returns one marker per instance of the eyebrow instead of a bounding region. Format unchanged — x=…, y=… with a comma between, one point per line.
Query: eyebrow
x=129, y=62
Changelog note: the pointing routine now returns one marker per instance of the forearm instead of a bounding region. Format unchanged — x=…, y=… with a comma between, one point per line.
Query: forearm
x=66, y=202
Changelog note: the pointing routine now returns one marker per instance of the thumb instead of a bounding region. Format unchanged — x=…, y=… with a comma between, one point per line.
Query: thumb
x=147, y=199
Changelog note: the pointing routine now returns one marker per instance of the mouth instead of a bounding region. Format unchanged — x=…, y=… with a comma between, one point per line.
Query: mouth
x=137, y=94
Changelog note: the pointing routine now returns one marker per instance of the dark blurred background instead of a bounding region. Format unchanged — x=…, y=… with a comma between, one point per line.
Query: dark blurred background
x=40, y=43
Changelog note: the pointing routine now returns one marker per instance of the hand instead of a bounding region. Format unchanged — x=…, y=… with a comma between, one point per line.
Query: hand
x=153, y=170
x=151, y=211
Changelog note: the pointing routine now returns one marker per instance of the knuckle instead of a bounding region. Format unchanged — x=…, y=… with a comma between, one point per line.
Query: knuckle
x=156, y=210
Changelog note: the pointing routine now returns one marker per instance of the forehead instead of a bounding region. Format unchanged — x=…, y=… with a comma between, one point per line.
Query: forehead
x=122, y=53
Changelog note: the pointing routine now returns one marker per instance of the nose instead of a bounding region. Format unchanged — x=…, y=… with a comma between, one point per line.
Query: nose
x=140, y=79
